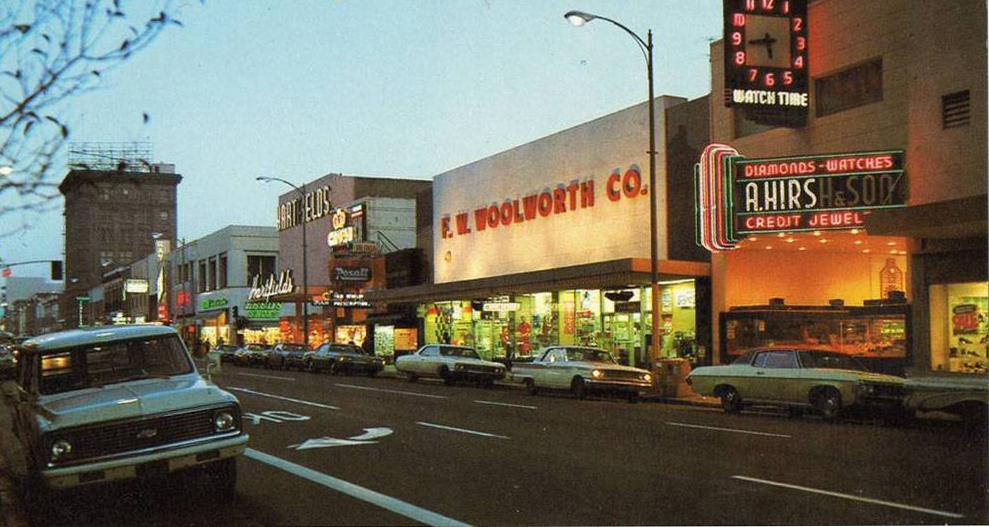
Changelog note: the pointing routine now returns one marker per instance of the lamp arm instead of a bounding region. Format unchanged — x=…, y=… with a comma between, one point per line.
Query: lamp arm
x=643, y=47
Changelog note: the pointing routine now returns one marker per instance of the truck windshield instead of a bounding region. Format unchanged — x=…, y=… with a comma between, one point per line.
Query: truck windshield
x=106, y=363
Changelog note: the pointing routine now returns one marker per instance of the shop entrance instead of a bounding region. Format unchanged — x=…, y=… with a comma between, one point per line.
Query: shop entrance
x=623, y=337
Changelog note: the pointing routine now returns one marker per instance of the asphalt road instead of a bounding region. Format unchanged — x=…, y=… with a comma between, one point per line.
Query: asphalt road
x=337, y=450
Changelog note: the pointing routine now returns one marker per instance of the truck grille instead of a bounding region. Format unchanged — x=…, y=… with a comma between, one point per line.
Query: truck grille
x=137, y=434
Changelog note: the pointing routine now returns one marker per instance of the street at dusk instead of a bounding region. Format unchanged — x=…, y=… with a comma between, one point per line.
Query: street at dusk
x=494, y=262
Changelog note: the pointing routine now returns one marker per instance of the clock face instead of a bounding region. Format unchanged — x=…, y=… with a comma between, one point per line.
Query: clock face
x=766, y=45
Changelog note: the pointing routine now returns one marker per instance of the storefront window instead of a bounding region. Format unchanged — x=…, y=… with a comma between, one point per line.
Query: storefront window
x=959, y=327
x=517, y=326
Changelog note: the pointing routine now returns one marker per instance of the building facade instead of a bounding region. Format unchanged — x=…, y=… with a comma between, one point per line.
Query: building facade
x=877, y=235
x=110, y=220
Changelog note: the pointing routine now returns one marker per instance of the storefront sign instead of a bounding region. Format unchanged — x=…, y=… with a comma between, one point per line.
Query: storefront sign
x=363, y=247
x=341, y=299
x=766, y=69
x=340, y=237
x=501, y=307
x=263, y=309
x=136, y=286
x=212, y=303
x=283, y=286
x=563, y=199
x=351, y=274
x=738, y=196
x=316, y=205
x=628, y=307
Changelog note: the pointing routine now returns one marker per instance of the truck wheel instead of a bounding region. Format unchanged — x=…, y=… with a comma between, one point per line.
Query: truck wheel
x=731, y=402
x=828, y=403
x=530, y=386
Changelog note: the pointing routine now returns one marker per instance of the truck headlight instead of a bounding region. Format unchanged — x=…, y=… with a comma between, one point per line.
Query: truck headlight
x=597, y=374
x=647, y=377
x=459, y=367
x=224, y=421
x=865, y=389
x=61, y=449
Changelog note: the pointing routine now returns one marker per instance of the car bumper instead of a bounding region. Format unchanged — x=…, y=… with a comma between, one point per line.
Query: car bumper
x=151, y=464
x=617, y=385
x=478, y=376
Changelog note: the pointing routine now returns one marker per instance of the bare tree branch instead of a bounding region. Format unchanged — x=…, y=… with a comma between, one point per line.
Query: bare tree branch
x=50, y=52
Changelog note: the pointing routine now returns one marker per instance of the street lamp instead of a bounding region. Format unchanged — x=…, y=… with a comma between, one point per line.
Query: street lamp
x=579, y=18
x=305, y=264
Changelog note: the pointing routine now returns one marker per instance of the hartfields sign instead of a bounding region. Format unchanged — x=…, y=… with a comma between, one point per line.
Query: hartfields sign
x=283, y=286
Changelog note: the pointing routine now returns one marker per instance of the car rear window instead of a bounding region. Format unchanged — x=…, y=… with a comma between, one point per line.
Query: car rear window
x=112, y=362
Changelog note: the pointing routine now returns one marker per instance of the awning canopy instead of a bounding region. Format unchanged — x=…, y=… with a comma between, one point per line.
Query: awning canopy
x=602, y=275
x=957, y=218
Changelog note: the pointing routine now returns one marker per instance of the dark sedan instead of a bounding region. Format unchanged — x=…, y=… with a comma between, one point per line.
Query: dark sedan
x=286, y=355
x=251, y=355
x=343, y=358
x=228, y=352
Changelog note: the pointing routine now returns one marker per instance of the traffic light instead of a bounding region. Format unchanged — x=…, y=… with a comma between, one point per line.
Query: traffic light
x=57, y=270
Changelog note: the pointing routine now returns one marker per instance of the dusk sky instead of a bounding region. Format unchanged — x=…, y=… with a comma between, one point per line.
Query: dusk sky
x=298, y=89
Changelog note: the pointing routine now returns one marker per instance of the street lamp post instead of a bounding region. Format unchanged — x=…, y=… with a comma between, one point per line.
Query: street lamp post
x=305, y=251
x=579, y=18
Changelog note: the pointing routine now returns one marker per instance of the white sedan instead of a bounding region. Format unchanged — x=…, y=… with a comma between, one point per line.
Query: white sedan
x=581, y=370
x=450, y=363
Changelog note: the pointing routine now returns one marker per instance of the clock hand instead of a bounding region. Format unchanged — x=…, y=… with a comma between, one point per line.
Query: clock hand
x=768, y=41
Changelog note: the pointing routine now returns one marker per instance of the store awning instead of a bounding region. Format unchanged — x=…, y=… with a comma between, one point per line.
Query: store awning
x=957, y=218
x=601, y=275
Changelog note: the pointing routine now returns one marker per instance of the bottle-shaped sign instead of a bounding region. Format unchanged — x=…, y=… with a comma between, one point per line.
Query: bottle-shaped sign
x=890, y=278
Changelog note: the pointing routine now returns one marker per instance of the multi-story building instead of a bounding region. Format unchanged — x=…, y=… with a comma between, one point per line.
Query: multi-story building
x=870, y=209
x=111, y=219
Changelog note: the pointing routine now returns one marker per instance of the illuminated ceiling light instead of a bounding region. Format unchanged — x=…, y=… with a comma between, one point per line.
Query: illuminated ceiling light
x=751, y=238
x=858, y=242
x=790, y=240
x=780, y=235
x=890, y=243
x=855, y=231
x=816, y=233
x=822, y=240
x=894, y=252
x=867, y=250
x=769, y=246
x=802, y=249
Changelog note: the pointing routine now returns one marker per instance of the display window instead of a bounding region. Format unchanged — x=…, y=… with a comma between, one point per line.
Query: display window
x=618, y=320
x=959, y=327
x=268, y=335
x=351, y=334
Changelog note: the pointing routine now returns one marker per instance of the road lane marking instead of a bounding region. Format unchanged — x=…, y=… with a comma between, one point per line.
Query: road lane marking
x=735, y=430
x=852, y=497
x=354, y=386
x=262, y=394
x=355, y=491
x=485, y=434
x=506, y=404
x=265, y=376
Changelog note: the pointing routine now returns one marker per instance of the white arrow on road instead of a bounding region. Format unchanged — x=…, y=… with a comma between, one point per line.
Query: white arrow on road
x=363, y=439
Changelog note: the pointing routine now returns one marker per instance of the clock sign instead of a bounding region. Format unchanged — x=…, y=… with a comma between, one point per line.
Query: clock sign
x=766, y=71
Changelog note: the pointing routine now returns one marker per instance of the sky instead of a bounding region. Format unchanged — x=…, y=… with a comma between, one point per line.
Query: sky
x=393, y=88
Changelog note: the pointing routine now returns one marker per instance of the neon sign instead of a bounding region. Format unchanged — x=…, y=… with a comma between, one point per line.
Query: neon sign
x=766, y=69
x=738, y=196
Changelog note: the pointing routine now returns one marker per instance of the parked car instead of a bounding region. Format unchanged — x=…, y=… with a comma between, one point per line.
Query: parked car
x=343, y=358
x=826, y=381
x=119, y=402
x=582, y=371
x=251, y=355
x=286, y=355
x=450, y=363
x=966, y=396
x=228, y=352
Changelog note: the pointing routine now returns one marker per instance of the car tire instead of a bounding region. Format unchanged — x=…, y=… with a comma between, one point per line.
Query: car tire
x=411, y=377
x=530, y=386
x=444, y=374
x=578, y=388
x=828, y=404
x=223, y=476
x=731, y=401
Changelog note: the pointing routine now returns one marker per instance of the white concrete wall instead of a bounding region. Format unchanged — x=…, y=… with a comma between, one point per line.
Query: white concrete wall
x=607, y=230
